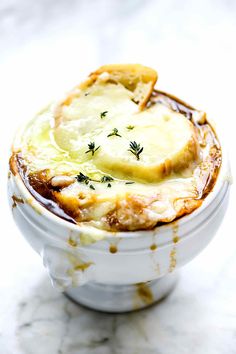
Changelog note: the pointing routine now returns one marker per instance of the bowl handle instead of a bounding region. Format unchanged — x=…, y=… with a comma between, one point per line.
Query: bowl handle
x=66, y=269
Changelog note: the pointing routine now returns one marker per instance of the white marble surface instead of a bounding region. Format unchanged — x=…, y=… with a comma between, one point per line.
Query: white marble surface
x=45, y=47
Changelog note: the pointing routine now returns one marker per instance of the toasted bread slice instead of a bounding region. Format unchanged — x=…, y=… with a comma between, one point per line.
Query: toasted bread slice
x=138, y=79
x=167, y=141
x=106, y=102
x=135, y=77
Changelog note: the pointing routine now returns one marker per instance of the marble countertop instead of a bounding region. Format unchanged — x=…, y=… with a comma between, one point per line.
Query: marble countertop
x=47, y=46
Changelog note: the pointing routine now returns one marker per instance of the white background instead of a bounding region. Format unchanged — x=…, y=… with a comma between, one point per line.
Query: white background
x=46, y=47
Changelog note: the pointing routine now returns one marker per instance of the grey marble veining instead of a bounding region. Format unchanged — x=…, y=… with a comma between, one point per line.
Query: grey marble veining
x=48, y=322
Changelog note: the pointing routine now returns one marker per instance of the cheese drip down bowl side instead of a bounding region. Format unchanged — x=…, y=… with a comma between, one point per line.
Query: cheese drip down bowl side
x=117, y=271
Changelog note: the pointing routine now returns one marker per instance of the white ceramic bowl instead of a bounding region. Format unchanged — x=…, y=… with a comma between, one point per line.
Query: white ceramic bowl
x=119, y=271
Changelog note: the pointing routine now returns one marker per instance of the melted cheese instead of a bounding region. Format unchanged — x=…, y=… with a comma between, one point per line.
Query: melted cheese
x=164, y=179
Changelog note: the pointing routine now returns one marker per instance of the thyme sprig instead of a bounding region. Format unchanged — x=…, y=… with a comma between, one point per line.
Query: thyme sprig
x=103, y=114
x=114, y=132
x=81, y=178
x=135, y=149
x=92, y=148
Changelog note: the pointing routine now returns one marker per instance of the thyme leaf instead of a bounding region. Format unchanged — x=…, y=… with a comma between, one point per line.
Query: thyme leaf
x=135, y=149
x=129, y=182
x=130, y=127
x=105, y=179
x=92, y=187
x=109, y=185
x=82, y=178
x=92, y=148
x=103, y=114
x=114, y=132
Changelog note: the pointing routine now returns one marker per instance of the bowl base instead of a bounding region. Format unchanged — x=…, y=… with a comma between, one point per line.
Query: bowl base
x=122, y=298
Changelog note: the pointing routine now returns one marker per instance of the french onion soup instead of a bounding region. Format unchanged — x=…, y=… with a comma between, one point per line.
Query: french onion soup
x=118, y=154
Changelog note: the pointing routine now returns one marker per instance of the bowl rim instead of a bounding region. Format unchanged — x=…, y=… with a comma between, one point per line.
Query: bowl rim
x=223, y=178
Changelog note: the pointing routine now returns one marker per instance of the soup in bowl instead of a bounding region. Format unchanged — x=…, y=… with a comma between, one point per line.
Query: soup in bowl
x=116, y=185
